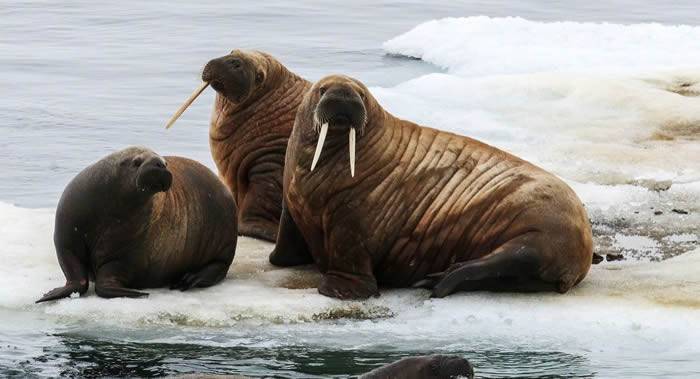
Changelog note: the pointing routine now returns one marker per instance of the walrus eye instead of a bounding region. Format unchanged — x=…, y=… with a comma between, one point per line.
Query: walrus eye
x=321, y=91
x=236, y=64
x=259, y=78
x=138, y=162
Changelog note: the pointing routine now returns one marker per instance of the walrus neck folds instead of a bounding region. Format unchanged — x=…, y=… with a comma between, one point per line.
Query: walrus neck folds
x=281, y=94
x=242, y=133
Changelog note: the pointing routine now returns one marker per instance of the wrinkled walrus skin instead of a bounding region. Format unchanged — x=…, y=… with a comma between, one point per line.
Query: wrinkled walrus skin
x=138, y=220
x=253, y=116
x=425, y=207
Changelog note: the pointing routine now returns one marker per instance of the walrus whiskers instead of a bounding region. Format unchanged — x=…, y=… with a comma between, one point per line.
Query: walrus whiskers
x=319, y=145
x=352, y=152
x=187, y=103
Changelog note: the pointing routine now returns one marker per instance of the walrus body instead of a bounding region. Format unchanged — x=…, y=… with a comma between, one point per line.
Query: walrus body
x=425, y=208
x=138, y=220
x=253, y=116
x=424, y=367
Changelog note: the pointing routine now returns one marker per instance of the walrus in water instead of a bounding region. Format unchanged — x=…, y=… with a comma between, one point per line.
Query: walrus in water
x=420, y=367
x=253, y=116
x=422, y=208
x=424, y=367
x=138, y=220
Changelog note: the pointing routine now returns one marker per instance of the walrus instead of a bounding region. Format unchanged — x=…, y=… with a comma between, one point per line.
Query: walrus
x=137, y=220
x=419, y=367
x=424, y=367
x=423, y=207
x=253, y=116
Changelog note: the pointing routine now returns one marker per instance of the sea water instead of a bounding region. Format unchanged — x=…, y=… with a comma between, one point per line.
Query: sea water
x=603, y=94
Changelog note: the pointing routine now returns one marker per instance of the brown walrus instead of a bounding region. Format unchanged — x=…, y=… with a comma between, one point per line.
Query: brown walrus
x=425, y=207
x=418, y=367
x=256, y=102
x=424, y=367
x=135, y=219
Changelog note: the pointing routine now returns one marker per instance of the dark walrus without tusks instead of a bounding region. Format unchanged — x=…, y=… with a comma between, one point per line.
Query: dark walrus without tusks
x=425, y=207
x=424, y=367
x=138, y=220
x=253, y=116
x=417, y=367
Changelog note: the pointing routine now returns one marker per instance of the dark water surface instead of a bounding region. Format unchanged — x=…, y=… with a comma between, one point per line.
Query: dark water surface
x=81, y=79
x=71, y=351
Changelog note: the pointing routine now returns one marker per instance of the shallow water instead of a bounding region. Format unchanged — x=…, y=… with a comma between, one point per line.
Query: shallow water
x=612, y=108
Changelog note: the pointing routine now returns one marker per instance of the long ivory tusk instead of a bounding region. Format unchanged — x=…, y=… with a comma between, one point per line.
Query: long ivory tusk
x=352, y=152
x=187, y=103
x=319, y=145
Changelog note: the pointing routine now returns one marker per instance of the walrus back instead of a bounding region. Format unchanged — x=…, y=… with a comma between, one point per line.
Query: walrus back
x=455, y=199
x=192, y=224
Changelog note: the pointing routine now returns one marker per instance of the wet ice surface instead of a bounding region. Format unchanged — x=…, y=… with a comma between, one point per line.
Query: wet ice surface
x=611, y=108
x=635, y=319
x=625, y=318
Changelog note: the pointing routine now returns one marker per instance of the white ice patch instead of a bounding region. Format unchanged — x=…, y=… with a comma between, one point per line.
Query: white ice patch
x=481, y=46
x=634, y=302
x=585, y=127
x=640, y=243
x=686, y=237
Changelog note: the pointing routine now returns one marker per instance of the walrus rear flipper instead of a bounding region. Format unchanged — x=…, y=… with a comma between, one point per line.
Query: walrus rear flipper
x=76, y=274
x=208, y=276
x=109, y=285
x=511, y=267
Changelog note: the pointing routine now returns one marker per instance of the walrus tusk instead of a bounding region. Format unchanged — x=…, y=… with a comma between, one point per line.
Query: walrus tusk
x=187, y=103
x=352, y=152
x=319, y=145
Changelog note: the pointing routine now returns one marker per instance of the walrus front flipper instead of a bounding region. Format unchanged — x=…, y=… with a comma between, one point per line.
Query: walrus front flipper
x=110, y=292
x=262, y=205
x=511, y=267
x=75, y=272
x=65, y=291
x=291, y=248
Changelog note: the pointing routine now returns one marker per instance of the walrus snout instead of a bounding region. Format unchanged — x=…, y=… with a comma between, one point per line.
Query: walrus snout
x=341, y=107
x=154, y=176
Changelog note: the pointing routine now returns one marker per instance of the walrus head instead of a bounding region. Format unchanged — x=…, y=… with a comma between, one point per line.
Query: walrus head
x=235, y=76
x=238, y=77
x=450, y=366
x=145, y=171
x=340, y=103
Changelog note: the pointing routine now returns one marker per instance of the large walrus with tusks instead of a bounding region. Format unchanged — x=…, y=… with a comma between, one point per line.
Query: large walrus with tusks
x=256, y=102
x=138, y=220
x=376, y=200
